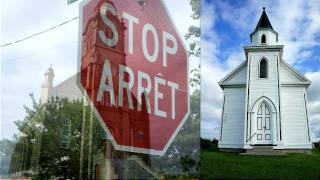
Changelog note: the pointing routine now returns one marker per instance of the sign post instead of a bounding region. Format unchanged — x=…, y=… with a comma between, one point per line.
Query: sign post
x=71, y=1
x=134, y=71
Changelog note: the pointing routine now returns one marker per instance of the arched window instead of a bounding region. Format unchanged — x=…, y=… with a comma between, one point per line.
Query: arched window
x=263, y=71
x=263, y=39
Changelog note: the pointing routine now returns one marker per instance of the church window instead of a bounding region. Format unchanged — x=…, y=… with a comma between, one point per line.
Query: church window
x=65, y=134
x=263, y=39
x=267, y=111
x=260, y=111
x=263, y=68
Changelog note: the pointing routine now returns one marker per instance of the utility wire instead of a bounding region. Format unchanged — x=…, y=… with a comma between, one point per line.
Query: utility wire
x=49, y=29
x=37, y=52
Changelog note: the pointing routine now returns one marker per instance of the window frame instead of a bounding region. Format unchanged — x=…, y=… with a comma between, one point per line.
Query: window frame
x=265, y=39
x=66, y=127
x=267, y=68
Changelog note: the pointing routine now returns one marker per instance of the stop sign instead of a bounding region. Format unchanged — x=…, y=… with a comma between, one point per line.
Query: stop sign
x=134, y=72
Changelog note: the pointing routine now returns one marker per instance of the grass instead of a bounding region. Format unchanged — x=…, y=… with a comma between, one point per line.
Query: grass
x=222, y=165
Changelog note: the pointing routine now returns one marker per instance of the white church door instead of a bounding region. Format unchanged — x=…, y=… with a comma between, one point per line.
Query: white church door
x=263, y=125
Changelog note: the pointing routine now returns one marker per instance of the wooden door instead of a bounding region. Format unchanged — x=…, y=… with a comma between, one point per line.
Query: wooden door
x=264, y=125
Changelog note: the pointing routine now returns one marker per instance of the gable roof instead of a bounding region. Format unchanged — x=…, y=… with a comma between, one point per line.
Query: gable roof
x=237, y=70
x=296, y=73
x=232, y=74
x=68, y=88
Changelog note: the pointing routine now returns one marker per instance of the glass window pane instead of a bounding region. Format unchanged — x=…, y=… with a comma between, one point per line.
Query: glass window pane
x=263, y=68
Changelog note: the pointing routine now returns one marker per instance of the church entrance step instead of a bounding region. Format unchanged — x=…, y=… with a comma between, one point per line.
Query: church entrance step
x=264, y=153
x=264, y=150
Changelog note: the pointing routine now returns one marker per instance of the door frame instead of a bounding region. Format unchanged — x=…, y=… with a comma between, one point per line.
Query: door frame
x=274, y=126
x=263, y=127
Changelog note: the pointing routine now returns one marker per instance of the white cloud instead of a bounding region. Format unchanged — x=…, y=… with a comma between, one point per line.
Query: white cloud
x=297, y=27
x=211, y=73
x=23, y=64
x=314, y=104
x=182, y=21
x=298, y=30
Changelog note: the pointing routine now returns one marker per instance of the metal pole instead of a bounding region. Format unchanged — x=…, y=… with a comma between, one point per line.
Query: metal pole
x=90, y=144
x=82, y=137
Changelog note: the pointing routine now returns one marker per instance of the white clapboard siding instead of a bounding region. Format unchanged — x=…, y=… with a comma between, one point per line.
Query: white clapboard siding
x=286, y=76
x=283, y=91
x=294, y=115
x=234, y=114
x=239, y=78
x=263, y=87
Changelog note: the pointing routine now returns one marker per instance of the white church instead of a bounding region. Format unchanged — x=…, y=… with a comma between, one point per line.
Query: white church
x=264, y=99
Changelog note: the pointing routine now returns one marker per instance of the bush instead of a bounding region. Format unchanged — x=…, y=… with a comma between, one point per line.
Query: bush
x=215, y=141
x=207, y=144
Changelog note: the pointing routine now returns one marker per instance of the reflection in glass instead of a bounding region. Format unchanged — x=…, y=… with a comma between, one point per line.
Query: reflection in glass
x=39, y=152
x=61, y=137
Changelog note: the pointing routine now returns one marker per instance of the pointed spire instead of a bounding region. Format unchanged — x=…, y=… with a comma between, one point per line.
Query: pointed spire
x=50, y=71
x=264, y=21
x=47, y=85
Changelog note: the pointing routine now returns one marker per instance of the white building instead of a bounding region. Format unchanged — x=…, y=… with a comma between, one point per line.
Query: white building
x=265, y=102
x=67, y=88
x=101, y=162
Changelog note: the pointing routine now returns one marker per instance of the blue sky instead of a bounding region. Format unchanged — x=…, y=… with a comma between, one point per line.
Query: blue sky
x=226, y=27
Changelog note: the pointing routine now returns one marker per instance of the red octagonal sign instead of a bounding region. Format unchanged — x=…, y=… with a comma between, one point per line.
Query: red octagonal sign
x=134, y=72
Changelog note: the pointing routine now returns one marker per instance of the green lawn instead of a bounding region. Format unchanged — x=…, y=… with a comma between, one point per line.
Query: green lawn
x=233, y=166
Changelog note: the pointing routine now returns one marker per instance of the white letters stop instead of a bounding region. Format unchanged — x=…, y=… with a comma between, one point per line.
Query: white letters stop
x=147, y=29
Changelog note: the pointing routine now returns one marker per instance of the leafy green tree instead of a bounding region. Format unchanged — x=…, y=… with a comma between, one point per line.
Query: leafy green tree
x=48, y=145
x=193, y=35
x=183, y=155
x=38, y=147
x=191, y=131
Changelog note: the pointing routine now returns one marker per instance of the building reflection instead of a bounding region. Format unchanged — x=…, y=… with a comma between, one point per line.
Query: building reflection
x=62, y=138
x=126, y=127
x=78, y=147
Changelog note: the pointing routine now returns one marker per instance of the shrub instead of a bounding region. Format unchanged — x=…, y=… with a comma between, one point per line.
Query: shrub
x=207, y=144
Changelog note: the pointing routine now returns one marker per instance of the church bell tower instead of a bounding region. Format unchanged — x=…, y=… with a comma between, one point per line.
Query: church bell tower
x=46, y=88
x=264, y=34
x=263, y=89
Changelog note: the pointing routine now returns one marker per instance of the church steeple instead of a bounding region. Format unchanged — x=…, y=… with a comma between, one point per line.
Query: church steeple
x=264, y=21
x=47, y=85
x=264, y=34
